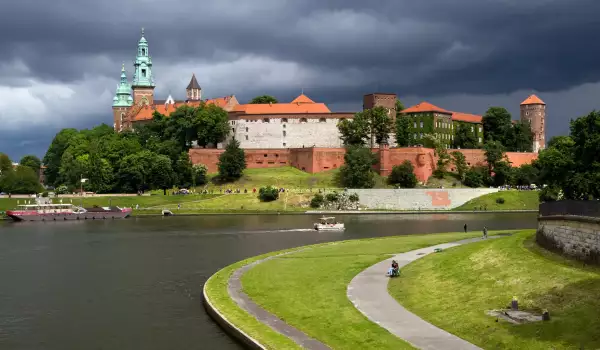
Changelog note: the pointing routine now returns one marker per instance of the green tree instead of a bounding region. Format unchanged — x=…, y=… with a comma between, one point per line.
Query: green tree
x=525, y=175
x=503, y=173
x=399, y=106
x=268, y=194
x=403, y=175
x=357, y=172
x=354, y=132
x=464, y=138
x=5, y=163
x=212, y=125
x=134, y=172
x=161, y=173
x=23, y=180
x=460, y=162
x=519, y=137
x=477, y=177
x=263, y=99
x=31, y=161
x=367, y=127
x=494, y=153
x=184, y=170
x=53, y=156
x=496, y=122
x=403, y=138
x=232, y=162
x=440, y=151
x=380, y=125
x=199, y=174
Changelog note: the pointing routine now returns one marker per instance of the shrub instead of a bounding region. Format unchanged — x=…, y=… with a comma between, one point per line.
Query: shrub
x=403, y=175
x=500, y=200
x=199, y=174
x=62, y=189
x=268, y=194
x=353, y=198
x=332, y=197
x=45, y=194
x=317, y=201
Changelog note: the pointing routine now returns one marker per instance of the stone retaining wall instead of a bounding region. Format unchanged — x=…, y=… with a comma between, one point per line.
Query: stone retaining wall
x=575, y=236
x=418, y=199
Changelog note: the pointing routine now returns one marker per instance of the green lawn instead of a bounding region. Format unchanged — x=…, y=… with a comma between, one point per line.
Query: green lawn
x=307, y=289
x=513, y=200
x=287, y=177
x=454, y=289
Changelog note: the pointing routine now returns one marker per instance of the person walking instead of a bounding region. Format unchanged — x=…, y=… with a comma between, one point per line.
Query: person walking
x=465, y=228
x=484, y=232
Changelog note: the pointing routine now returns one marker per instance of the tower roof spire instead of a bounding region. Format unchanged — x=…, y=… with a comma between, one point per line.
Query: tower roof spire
x=193, y=83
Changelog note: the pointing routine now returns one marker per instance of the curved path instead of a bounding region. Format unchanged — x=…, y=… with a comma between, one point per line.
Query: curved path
x=234, y=288
x=368, y=291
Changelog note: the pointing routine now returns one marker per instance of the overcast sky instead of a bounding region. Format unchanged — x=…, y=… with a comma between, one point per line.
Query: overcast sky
x=60, y=60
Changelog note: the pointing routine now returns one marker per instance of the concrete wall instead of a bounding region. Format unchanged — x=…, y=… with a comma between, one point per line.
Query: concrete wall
x=418, y=199
x=576, y=236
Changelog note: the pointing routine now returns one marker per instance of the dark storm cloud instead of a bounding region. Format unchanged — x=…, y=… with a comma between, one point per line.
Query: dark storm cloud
x=431, y=49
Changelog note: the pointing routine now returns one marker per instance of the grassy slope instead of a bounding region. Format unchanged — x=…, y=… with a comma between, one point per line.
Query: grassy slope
x=454, y=289
x=513, y=200
x=308, y=289
x=288, y=177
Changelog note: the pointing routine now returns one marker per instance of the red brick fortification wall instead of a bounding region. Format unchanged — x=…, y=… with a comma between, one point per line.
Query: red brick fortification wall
x=314, y=160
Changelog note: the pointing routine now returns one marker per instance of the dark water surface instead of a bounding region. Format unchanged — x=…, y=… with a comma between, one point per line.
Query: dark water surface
x=137, y=283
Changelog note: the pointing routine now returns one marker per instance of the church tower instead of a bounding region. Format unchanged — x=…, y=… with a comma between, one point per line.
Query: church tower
x=143, y=80
x=194, y=91
x=122, y=101
x=533, y=110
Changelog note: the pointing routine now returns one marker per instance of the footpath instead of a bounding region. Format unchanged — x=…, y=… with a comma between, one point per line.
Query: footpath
x=368, y=291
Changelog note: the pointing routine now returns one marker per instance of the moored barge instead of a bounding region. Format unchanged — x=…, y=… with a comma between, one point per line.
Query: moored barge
x=64, y=212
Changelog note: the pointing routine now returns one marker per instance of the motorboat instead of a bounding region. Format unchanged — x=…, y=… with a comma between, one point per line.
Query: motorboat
x=329, y=224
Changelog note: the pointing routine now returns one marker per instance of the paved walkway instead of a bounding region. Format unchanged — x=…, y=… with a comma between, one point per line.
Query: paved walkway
x=368, y=291
x=234, y=287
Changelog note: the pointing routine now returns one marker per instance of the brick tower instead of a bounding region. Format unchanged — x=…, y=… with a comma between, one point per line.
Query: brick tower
x=533, y=110
x=143, y=80
x=122, y=101
x=384, y=100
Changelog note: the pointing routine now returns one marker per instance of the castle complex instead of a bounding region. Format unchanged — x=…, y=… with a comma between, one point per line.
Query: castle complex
x=281, y=133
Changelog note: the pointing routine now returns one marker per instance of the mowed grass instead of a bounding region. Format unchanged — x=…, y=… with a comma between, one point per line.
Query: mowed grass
x=287, y=177
x=247, y=202
x=513, y=200
x=307, y=288
x=453, y=290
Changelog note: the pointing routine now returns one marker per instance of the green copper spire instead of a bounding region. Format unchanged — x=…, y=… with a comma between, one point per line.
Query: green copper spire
x=142, y=75
x=123, y=95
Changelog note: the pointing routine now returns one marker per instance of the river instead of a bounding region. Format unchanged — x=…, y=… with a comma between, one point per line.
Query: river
x=137, y=283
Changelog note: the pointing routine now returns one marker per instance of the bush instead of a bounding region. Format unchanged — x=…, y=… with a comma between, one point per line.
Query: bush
x=62, y=189
x=45, y=194
x=232, y=162
x=500, y=200
x=268, y=194
x=317, y=201
x=403, y=175
x=332, y=197
x=550, y=194
x=354, y=198
x=477, y=177
x=199, y=174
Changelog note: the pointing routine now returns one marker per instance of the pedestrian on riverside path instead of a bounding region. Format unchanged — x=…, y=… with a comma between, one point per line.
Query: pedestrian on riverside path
x=484, y=232
x=465, y=228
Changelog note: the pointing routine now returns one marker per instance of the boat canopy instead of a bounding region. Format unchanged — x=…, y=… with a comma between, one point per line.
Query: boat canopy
x=44, y=205
x=328, y=218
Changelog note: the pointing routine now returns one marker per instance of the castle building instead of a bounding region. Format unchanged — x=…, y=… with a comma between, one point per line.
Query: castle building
x=533, y=110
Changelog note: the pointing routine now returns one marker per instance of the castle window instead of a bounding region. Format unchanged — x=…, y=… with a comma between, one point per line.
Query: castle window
x=421, y=125
x=480, y=129
x=480, y=140
x=246, y=137
x=265, y=156
x=232, y=130
x=421, y=135
x=284, y=133
x=322, y=120
x=284, y=126
x=266, y=120
x=143, y=73
x=415, y=125
x=284, y=120
x=246, y=129
x=303, y=120
x=143, y=52
x=284, y=144
x=472, y=129
x=415, y=136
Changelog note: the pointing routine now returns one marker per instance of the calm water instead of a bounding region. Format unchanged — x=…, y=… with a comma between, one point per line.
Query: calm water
x=136, y=283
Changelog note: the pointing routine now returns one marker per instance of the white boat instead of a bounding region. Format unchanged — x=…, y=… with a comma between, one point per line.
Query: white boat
x=329, y=224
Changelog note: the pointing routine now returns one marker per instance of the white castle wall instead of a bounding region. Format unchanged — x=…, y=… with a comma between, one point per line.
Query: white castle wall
x=286, y=133
x=418, y=199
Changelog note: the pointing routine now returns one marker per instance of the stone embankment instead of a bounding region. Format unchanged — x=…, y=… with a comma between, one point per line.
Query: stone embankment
x=418, y=199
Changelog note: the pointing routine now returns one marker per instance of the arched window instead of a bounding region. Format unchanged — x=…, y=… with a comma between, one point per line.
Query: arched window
x=284, y=133
x=303, y=120
x=143, y=52
x=322, y=120
x=284, y=120
x=266, y=120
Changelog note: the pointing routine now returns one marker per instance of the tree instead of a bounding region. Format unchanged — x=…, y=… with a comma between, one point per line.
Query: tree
x=134, y=172
x=477, y=177
x=23, y=180
x=354, y=132
x=212, y=125
x=232, y=162
x=5, y=163
x=380, y=125
x=503, y=173
x=464, y=138
x=525, y=175
x=199, y=172
x=403, y=175
x=183, y=170
x=399, y=106
x=460, y=162
x=519, y=137
x=357, y=172
x=442, y=154
x=161, y=173
x=268, y=194
x=367, y=127
x=403, y=138
x=496, y=122
x=263, y=99
x=494, y=153
x=53, y=156
x=31, y=161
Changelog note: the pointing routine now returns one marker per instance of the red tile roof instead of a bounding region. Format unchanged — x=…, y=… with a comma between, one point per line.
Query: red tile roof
x=466, y=117
x=300, y=105
x=533, y=100
x=302, y=99
x=425, y=107
x=146, y=112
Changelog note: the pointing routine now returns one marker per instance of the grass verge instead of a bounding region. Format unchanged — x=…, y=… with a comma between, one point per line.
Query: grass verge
x=513, y=200
x=453, y=290
x=307, y=289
